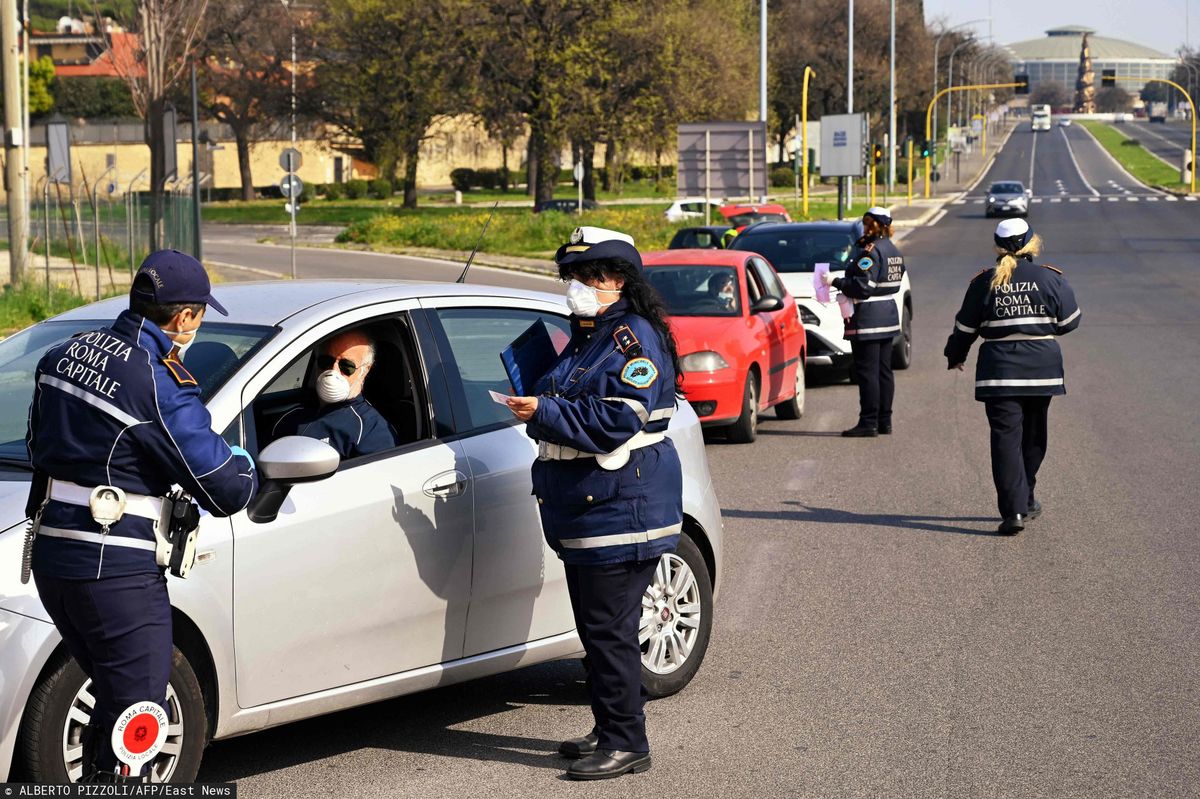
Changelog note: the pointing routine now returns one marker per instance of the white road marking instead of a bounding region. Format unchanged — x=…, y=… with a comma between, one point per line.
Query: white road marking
x=979, y=202
x=938, y=217
x=1071, y=153
x=1117, y=164
x=1093, y=199
x=1056, y=199
x=1151, y=199
x=1073, y=200
x=1131, y=199
x=1114, y=199
x=1037, y=199
x=1191, y=198
x=1171, y=199
x=1032, y=161
x=959, y=202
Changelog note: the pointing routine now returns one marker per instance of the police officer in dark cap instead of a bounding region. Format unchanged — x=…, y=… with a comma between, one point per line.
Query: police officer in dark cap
x=872, y=278
x=608, y=481
x=1018, y=308
x=116, y=420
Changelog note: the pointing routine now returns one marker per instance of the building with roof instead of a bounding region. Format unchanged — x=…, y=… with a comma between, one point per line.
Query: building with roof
x=1056, y=58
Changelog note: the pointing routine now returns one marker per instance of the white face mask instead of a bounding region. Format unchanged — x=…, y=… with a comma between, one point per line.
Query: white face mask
x=583, y=300
x=332, y=386
x=175, y=335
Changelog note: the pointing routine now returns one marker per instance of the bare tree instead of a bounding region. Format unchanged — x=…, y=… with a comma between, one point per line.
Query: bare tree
x=168, y=31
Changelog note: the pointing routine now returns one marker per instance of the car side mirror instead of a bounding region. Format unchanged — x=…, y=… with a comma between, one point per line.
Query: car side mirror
x=766, y=305
x=284, y=463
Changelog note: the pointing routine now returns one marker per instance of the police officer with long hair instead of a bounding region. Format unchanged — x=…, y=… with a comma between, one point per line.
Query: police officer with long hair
x=1018, y=308
x=871, y=280
x=608, y=481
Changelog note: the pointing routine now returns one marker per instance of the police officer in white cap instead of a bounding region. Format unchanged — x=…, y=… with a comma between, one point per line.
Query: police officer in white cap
x=1018, y=308
x=872, y=278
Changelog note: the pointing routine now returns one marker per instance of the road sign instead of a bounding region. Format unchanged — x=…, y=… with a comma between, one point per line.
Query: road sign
x=843, y=140
x=291, y=186
x=578, y=171
x=290, y=159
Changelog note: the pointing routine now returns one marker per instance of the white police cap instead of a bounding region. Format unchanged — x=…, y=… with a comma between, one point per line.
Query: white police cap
x=589, y=235
x=881, y=214
x=1012, y=234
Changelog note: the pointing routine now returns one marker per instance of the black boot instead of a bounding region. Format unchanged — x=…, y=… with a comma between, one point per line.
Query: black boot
x=1011, y=525
x=580, y=747
x=861, y=431
x=1035, y=510
x=605, y=764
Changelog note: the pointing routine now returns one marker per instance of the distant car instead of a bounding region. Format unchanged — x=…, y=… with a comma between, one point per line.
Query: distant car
x=1007, y=198
x=564, y=206
x=698, y=238
x=741, y=353
x=1064, y=122
x=739, y=216
x=689, y=208
x=794, y=249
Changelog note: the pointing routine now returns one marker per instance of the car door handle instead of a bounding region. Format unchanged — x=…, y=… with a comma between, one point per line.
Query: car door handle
x=446, y=484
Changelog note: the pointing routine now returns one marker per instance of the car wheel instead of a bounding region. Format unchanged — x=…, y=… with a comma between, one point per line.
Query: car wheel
x=676, y=620
x=902, y=348
x=61, y=706
x=745, y=429
x=793, y=408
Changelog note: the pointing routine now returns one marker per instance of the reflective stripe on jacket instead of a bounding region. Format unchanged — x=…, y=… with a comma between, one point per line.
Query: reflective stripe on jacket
x=872, y=279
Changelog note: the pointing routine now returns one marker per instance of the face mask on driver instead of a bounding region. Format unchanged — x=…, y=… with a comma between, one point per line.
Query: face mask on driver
x=332, y=386
x=583, y=300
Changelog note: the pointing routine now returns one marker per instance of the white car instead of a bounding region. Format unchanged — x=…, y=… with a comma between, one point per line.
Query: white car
x=1064, y=122
x=409, y=569
x=692, y=208
x=794, y=249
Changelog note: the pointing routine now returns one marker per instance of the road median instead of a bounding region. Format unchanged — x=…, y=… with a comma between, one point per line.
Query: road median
x=1141, y=164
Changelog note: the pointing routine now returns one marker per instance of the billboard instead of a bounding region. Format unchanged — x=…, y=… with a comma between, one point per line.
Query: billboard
x=843, y=143
x=722, y=159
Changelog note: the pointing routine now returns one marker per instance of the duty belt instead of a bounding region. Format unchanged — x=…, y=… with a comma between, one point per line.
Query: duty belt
x=137, y=504
x=1017, y=337
x=610, y=460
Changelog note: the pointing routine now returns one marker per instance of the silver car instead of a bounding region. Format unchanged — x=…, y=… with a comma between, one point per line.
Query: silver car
x=393, y=573
x=1008, y=198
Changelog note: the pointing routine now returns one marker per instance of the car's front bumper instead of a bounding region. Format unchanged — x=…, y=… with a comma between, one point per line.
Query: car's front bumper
x=1008, y=207
x=715, y=396
x=25, y=646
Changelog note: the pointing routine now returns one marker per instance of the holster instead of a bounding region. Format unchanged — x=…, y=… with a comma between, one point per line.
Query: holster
x=175, y=534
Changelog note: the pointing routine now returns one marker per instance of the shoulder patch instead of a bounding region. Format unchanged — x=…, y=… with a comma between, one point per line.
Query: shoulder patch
x=178, y=371
x=627, y=342
x=865, y=263
x=639, y=373
x=1053, y=268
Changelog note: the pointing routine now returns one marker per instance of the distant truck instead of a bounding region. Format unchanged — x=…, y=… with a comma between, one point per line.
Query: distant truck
x=1158, y=112
x=1040, y=117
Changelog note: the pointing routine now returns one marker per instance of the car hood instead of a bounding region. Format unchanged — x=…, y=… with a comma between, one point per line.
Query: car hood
x=18, y=598
x=702, y=333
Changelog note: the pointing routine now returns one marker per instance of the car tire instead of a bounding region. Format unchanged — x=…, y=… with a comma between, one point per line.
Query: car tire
x=745, y=429
x=685, y=570
x=59, y=707
x=902, y=346
x=793, y=407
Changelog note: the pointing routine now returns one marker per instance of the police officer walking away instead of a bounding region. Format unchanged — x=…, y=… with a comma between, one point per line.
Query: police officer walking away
x=116, y=420
x=1018, y=308
x=608, y=480
x=872, y=278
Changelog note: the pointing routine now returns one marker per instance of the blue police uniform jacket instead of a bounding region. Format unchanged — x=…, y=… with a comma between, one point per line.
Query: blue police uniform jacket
x=352, y=427
x=116, y=406
x=615, y=379
x=872, y=279
x=1018, y=323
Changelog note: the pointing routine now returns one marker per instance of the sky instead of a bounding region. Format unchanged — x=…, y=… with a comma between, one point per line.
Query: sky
x=1161, y=24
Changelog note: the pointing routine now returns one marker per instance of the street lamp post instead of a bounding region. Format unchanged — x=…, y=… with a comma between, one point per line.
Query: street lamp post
x=950, y=80
x=936, y=46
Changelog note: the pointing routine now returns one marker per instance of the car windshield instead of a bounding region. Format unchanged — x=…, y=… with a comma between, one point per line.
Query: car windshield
x=697, y=290
x=1007, y=188
x=219, y=349
x=799, y=250
x=740, y=220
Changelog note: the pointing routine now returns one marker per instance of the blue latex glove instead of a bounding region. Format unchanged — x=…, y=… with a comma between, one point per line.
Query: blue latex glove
x=239, y=451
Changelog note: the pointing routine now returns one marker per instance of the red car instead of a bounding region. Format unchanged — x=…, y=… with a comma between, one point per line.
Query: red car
x=741, y=343
x=739, y=216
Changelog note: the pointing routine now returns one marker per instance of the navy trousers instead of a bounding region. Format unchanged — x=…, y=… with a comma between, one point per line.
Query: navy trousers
x=872, y=367
x=118, y=629
x=607, y=603
x=1019, y=438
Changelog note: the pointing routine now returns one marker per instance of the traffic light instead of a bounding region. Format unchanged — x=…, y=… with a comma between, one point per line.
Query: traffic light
x=876, y=154
x=1022, y=81
x=1108, y=77
x=926, y=150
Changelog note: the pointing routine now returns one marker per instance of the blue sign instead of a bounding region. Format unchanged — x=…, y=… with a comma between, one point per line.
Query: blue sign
x=839, y=138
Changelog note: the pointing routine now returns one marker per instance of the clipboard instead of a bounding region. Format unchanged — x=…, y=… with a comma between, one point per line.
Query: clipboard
x=528, y=358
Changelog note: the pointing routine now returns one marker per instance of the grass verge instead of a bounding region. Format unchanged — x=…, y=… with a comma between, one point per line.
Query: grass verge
x=24, y=304
x=1140, y=163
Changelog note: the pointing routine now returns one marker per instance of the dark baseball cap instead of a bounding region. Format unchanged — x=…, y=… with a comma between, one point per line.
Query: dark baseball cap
x=170, y=276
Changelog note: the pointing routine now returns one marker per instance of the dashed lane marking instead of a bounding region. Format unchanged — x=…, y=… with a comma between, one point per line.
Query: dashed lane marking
x=1114, y=199
x=1171, y=199
x=1093, y=199
x=1131, y=199
x=959, y=202
x=1190, y=198
x=1056, y=199
x=1073, y=200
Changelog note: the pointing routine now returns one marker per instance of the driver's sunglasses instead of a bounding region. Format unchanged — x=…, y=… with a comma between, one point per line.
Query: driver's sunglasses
x=345, y=365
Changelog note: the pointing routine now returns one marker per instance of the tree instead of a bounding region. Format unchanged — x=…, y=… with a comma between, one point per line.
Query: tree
x=41, y=81
x=167, y=34
x=1113, y=98
x=93, y=98
x=1051, y=93
x=387, y=69
x=246, y=74
x=1156, y=93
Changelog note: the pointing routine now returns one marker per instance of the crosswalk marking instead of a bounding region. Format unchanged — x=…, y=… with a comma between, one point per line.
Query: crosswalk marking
x=1093, y=199
x=1056, y=199
x=1151, y=199
x=1191, y=198
x=1114, y=199
x=1037, y=199
x=959, y=202
x=1073, y=200
x=1172, y=199
x=1131, y=199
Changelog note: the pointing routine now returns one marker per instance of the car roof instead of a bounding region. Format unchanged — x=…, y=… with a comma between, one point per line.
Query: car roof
x=271, y=302
x=709, y=228
x=693, y=257
x=848, y=226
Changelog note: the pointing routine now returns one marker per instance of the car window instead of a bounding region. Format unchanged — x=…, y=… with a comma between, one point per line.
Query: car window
x=754, y=286
x=692, y=207
x=697, y=290
x=220, y=348
x=476, y=337
x=767, y=278
x=798, y=250
x=1007, y=188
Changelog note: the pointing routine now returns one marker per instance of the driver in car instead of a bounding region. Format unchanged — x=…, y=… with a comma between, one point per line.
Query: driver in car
x=722, y=288
x=339, y=414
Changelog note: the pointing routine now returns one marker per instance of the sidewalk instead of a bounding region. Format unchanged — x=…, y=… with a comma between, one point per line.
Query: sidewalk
x=80, y=278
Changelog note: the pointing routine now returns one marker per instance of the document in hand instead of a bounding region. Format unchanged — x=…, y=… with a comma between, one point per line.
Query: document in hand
x=819, y=286
x=528, y=358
